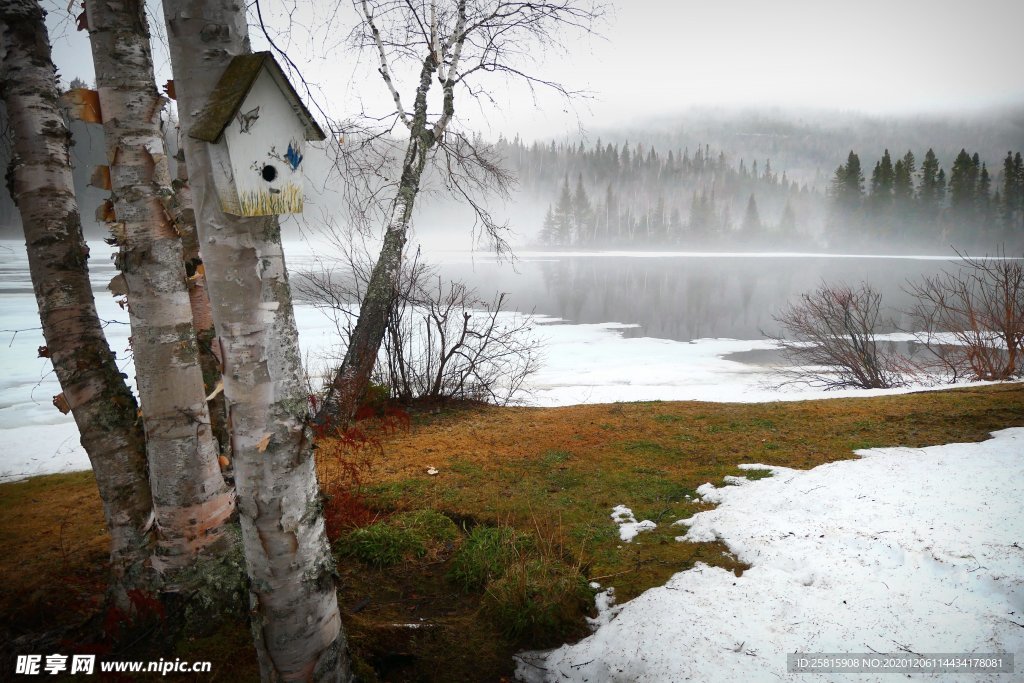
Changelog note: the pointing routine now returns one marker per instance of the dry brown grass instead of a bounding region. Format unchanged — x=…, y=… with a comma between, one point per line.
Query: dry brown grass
x=55, y=549
x=553, y=472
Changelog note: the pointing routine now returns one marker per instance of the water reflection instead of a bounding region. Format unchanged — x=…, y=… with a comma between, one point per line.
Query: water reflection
x=684, y=297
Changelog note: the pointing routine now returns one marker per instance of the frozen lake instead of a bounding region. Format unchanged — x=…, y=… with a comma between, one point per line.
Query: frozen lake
x=616, y=326
x=680, y=296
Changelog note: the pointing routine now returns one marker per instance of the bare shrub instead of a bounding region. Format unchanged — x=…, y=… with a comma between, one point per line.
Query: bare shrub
x=971, y=322
x=830, y=338
x=442, y=340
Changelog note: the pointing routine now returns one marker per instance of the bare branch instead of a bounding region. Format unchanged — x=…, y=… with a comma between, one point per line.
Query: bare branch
x=832, y=340
x=971, y=322
x=384, y=71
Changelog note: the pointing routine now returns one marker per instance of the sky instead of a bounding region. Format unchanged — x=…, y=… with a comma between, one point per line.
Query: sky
x=651, y=58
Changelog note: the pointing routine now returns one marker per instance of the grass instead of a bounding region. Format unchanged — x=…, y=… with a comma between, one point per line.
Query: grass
x=404, y=536
x=547, y=478
x=486, y=555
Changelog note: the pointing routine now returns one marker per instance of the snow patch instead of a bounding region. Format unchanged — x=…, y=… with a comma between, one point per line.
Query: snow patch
x=904, y=549
x=628, y=526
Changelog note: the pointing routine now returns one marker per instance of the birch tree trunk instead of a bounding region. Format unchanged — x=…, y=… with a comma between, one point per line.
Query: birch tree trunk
x=349, y=384
x=179, y=205
x=191, y=502
x=295, y=618
x=93, y=386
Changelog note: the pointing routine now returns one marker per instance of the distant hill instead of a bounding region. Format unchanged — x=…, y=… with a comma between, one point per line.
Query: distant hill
x=809, y=145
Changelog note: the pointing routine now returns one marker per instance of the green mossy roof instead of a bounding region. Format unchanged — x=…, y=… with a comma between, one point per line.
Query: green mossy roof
x=235, y=83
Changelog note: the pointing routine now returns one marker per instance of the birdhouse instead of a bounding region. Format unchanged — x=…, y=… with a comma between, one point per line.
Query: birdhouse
x=256, y=128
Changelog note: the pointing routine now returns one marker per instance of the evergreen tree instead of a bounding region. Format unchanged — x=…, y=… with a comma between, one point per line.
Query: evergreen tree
x=548, y=231
x=927, y=191
x=563, y=217
x=848, y=185
x=611, y=215
x=787, y=221
x=752, y=219
x=882, y=181
x=1013, y=192
x=903, y=179
x=582, y=214
x=963, y=179
x=983, y=194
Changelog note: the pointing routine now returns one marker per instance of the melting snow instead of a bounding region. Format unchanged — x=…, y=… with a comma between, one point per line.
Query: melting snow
x=905, y=549
x=628, y=526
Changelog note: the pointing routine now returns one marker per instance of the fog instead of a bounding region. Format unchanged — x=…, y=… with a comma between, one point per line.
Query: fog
x=699, y=128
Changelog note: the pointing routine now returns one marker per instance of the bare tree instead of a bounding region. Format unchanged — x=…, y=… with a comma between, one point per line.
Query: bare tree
x=93, y=387
x=972, y=321
x=830, y=338
x=191, y=502
x=295, y=619
x=450, y=45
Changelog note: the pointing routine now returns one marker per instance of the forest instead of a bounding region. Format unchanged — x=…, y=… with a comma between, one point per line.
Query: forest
x=637, y=197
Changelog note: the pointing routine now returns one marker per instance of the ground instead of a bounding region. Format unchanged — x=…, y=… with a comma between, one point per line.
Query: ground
x=554, y=474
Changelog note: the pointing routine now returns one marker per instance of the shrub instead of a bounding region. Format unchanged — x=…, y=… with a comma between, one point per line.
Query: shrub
x=443, y=341
x=972, y=321
x=486, y=555
x=832, y=340
x=539, y=599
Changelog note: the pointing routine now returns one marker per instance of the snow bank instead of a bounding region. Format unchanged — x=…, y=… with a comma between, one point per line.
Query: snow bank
x=906, y=549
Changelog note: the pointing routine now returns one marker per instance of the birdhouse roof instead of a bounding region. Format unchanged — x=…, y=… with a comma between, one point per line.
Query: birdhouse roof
x=230, y=92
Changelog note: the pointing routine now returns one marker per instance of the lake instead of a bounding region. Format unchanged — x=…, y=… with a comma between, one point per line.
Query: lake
x=616, y=326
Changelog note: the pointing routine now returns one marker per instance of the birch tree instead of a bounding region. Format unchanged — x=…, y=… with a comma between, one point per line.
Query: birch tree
x=179, y=205
x=438, y=52
x=295, y=618
x=191, y=502
x=93, y=387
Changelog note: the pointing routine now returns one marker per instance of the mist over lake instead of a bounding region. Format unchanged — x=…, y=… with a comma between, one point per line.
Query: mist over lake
x=612, y=325
x=682, y=296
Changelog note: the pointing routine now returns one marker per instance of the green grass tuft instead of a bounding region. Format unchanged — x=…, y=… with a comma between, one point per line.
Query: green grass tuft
x=486, y=554
x=539, y=600
x=406, y=536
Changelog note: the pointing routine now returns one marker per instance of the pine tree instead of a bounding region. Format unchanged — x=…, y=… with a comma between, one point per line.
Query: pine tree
x=983, y=193
x=548, y=231
x=787, y=221
x=1013, y=192
x=582, y=214
x=848, y=185
x=751, y=218
x=903, y=179
x=927, y=191
x=963, y=180
x=564, y=216
x=882, y=181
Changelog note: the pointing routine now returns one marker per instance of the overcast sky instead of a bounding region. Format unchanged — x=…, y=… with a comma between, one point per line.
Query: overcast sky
x=655, y=57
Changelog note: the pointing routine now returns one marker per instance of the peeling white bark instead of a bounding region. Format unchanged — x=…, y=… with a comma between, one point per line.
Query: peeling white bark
x=296, y=622
x=191, y=502
x=179, y=205
x=100, y=401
